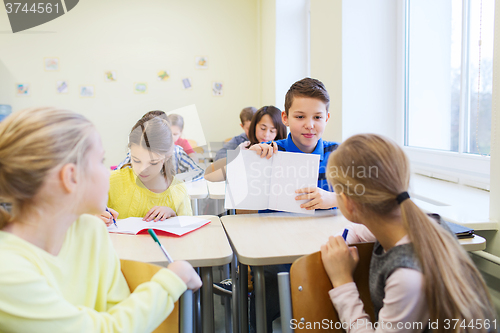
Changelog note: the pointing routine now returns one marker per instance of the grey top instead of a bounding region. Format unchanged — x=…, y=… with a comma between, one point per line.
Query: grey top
x=231, y=145
x=382, y=265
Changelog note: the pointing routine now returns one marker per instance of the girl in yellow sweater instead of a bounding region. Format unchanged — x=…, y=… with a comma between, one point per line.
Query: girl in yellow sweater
x=149, y=189
x=58, y=269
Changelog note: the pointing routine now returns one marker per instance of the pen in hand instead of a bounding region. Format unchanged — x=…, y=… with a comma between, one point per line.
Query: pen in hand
x=344, y=234
x=114, y=222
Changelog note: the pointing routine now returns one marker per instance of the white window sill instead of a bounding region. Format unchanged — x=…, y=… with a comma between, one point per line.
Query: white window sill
x=456, y=203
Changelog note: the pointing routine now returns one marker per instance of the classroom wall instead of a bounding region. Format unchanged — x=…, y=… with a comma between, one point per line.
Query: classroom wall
x=326, y=58
x=493, y=240
x=369, y=81
x=267, y=51
x=292, y=45
x=137, y=39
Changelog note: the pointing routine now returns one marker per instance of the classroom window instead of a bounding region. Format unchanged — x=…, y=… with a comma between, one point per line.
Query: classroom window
x=448, y=75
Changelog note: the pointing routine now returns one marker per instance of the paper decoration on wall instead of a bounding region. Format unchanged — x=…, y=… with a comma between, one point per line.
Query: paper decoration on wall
x=51, y=64
x=201, y=62
x=62, y=87
x=86, y=91
x=217, y=88
x=140, y=88
x=163, y=75
x=110, y=76
x=22, y=89
x=187, y=83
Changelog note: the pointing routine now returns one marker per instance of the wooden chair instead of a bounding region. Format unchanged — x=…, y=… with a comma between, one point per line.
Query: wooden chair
x=227, y=140
x=309, y=285
x=136, y=273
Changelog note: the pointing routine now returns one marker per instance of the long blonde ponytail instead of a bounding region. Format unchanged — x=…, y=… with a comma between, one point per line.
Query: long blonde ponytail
x=372, y=171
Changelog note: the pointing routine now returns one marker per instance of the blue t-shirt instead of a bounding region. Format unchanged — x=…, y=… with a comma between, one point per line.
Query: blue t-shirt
x=323, y=149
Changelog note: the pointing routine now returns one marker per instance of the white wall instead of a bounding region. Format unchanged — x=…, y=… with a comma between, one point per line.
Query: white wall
x=326, y=58
x=292, y=45
x=267, y=51
x=137, y=39
x=493, y=242
x=369, y=56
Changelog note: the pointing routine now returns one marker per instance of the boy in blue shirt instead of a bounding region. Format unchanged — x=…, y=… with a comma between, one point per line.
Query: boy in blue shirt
x=306, y=114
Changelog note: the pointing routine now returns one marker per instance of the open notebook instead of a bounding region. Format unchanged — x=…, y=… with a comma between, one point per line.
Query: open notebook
x=174, y=226
x=260, y=183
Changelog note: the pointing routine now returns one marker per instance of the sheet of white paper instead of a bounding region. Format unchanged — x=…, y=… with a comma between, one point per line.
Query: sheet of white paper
x=260, y=183
x=248, y=180
x=292, y=171
x=179, y=225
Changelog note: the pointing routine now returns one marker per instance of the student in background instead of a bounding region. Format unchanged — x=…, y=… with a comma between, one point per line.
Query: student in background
x=182, y=162
x=418, y=270
x=149, y=188
x=266, y=125
x=59, y=271
x=246, y=116
x=177, y=126
x=306, y=114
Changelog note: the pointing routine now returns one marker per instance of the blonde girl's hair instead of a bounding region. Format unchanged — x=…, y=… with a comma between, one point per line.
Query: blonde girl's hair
x=153, y=133
x=372, y=170
x=33, y=142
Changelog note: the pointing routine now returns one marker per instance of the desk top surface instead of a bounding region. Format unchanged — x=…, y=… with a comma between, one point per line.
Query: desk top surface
x=205, y=247
x=281, y=238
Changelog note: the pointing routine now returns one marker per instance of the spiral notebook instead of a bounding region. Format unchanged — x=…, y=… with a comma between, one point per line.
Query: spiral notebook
x=175, y=226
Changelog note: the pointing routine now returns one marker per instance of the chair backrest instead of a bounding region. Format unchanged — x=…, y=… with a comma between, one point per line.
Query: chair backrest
x=136, y=273
x=311, y=301
x=227, y=140
x=195, y=146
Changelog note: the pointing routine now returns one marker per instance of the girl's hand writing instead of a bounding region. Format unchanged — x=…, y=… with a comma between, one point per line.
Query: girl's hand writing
x=159, y=213
x=107, y=217
x=319, y=198
x=185, y=271
x=265, y=150
x=339, y=260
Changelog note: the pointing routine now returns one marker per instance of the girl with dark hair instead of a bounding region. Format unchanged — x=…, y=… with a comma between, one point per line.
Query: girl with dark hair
x=266, y=126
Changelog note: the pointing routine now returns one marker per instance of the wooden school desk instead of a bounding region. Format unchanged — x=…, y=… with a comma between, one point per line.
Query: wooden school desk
x=281, y=238
x=204, y=248
x=197, y=190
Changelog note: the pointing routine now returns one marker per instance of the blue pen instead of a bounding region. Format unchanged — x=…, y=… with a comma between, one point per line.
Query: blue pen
x=114, y=222
x=344, y=234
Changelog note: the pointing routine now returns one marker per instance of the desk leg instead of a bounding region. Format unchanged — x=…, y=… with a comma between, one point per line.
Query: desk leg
x=236, y=294
x=260, y=298
x=227, y=301
x=194, y=205
x=243, y=297
x=197, y=307
x=207, y=300
x=186, y=303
